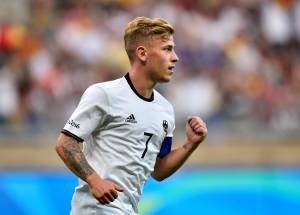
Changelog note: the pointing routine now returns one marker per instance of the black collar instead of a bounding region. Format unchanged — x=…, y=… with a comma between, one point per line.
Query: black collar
x=136, y=92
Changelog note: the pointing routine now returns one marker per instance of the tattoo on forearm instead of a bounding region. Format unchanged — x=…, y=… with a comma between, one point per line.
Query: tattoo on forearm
x=76, y=160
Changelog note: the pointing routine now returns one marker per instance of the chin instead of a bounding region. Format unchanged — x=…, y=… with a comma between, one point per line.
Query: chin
x=166, y=78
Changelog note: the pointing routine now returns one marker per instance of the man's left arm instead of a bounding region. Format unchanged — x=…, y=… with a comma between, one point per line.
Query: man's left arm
x=196, y=132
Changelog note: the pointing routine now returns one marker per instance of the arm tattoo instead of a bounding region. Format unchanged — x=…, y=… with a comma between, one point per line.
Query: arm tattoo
x=76, y=160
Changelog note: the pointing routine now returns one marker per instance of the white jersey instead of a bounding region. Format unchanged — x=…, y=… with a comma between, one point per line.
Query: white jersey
x=123, y=134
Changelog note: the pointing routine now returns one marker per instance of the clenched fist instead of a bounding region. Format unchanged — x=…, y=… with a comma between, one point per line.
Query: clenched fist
x=196, y=131
x=104, y=191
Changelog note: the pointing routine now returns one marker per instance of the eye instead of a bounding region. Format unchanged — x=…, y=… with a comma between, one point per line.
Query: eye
x=169, y=48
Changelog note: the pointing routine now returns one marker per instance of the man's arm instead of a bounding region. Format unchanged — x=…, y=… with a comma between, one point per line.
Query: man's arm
x=70, y=152
x=196, y=132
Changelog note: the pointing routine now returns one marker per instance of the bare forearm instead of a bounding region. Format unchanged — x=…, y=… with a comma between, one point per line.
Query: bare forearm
x=172, y=162
x=196, y=132
x=70, y=152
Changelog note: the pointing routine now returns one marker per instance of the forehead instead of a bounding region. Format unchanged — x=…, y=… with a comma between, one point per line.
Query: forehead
x=162, y=40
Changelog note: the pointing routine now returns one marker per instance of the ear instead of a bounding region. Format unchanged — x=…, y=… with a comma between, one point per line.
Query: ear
x=141, y=53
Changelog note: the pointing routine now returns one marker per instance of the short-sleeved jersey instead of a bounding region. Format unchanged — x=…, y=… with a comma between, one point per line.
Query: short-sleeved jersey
x=123, y=134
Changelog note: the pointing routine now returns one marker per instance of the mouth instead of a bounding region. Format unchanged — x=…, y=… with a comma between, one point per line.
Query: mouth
x=170, y=68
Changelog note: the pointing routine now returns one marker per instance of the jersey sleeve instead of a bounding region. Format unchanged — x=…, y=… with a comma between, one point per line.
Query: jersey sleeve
x=89, y=114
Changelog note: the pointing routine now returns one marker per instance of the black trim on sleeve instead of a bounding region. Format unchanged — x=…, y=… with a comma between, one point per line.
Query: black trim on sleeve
x=136, y=92
x=68, y=133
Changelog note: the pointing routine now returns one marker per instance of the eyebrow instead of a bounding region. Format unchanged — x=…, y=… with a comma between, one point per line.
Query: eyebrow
x=169, y=46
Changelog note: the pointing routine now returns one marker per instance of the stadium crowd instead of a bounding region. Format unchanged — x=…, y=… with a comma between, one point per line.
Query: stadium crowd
x=239, y=62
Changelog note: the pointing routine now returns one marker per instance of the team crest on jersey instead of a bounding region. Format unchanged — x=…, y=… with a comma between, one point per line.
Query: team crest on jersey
x=131, y=119
x=165, y=125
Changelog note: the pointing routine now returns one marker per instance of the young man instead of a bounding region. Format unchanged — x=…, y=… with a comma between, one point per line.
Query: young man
x=127, y=127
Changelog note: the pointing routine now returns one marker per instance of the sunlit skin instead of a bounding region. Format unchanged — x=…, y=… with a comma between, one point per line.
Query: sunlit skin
x=155, y=61
x=161, y=58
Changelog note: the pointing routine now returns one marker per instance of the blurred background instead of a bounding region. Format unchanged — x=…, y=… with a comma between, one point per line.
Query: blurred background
x=239, y=70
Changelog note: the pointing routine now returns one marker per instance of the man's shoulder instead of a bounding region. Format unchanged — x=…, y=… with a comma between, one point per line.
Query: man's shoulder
x=162, y=100
x=108, y=84
x=103, y=88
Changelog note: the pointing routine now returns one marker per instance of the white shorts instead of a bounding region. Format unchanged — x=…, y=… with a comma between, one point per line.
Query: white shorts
x=83, y=202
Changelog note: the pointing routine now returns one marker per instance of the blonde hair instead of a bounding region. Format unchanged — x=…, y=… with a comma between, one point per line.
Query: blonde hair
x=143, y=28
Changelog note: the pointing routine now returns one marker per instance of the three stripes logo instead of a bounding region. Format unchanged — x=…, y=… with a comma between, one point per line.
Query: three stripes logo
x=131, y=119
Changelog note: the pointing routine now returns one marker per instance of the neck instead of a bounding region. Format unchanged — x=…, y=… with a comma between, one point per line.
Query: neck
x=141, y=82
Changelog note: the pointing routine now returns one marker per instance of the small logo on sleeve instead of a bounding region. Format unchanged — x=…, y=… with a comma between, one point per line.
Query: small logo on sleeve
x=74, y=124
x=165, y=125
x=131, y=119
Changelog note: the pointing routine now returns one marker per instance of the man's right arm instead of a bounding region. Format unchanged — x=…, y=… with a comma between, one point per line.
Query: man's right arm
x=70, y=152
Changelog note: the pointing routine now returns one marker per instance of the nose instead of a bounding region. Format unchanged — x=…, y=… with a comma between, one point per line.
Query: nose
x=174, y=58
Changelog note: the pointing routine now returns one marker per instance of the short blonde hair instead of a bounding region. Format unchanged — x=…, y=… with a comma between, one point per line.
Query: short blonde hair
x=143, y=28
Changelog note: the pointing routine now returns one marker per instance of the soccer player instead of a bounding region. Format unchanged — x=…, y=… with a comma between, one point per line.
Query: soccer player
x=126, y=127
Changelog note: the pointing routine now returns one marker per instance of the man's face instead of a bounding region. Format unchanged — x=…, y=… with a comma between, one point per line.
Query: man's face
x=161, y=58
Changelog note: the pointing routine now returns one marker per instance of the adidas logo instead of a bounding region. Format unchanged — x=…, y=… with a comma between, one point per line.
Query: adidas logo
x=130, y=119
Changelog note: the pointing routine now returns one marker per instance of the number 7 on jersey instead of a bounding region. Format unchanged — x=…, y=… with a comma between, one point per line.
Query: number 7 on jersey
x=149, y=135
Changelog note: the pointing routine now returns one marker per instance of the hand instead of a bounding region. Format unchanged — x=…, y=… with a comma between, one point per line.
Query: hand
x=104, y=191
x=196, y=131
